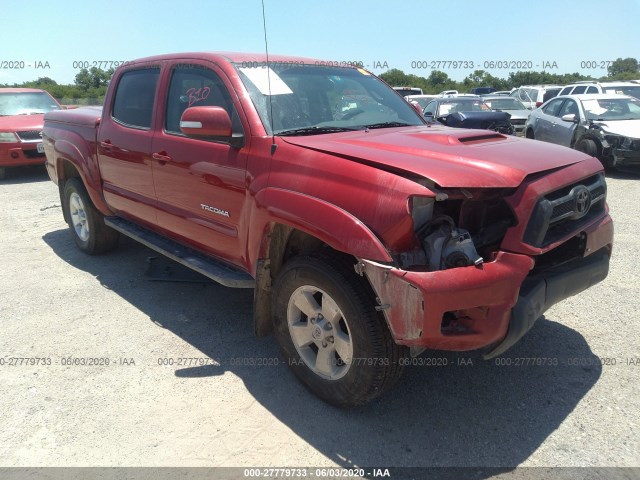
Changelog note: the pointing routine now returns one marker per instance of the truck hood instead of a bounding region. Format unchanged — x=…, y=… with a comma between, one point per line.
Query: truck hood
x=626, y=128
x=448, y=156
x=17, y=123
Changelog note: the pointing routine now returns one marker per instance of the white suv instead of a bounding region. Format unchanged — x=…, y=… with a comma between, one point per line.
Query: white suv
x=624, y=88
x=532, y=96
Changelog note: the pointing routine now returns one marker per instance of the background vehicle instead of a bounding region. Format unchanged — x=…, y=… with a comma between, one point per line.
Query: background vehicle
x=482, y=90
x=366, y=234
x=514, y=107
x=467, y=111
x=421, y=100
x=21, y=117
x=404, y=91
x=623, y=88
x=532, y=96
x=606, y=126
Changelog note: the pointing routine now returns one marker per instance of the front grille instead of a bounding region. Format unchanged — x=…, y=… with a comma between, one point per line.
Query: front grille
x=565, y=211
x=30, y=135
x=519, y=121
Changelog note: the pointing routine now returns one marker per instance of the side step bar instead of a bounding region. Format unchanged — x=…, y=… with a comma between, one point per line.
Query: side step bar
x=217, y=271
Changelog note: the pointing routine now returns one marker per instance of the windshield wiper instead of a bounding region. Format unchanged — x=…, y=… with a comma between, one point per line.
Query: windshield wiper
x=315, y=130
x=388, y=125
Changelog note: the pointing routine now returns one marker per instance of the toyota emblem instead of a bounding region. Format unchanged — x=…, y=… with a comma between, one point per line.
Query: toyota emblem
x=582, y=197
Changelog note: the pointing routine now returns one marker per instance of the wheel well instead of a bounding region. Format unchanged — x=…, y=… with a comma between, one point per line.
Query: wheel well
x=283, y=243
x=68, y=171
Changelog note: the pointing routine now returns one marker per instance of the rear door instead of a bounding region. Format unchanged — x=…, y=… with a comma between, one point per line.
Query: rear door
x=200, y=184
x=124, y=145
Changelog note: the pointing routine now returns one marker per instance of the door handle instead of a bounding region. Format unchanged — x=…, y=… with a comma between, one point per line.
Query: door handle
x=161, y=157
x=106, y=145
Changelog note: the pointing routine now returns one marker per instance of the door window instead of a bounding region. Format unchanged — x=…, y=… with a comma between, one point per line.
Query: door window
x=570, y=107
x=196, y=86
x=553, y=107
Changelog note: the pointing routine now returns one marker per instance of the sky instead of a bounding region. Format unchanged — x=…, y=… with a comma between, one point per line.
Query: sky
x=41, y=38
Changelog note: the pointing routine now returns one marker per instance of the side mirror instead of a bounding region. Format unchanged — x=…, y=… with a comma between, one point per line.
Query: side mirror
x=205, y=122
x=211, y=123
x=570, y=117
x=428, y=114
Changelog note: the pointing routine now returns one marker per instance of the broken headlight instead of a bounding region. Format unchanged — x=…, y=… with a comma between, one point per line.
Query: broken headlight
x=447, y=246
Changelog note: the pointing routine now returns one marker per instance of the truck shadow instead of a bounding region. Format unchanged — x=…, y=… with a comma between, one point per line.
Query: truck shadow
x=27, y=174
x=491, y=415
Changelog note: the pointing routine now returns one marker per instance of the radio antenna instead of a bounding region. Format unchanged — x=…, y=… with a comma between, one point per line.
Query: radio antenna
x=266, y=49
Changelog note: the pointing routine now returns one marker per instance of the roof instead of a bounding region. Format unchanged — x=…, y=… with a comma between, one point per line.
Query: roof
x=20, y=90
x=595, y=96
x=491, y=96
x=604, y=84
x=234, y=57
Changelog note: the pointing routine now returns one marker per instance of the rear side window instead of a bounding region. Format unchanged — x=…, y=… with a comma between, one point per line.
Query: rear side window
x=592, y=90
x=550, y=93
x=565, y=91
x=580, y=89
x=133, y=104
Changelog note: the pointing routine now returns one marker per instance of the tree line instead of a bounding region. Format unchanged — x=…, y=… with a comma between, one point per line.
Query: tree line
x=90, y=85
x=437, y=81
x=88, y=88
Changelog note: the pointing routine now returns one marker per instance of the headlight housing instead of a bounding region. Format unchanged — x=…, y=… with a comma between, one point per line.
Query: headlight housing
x=6, y=137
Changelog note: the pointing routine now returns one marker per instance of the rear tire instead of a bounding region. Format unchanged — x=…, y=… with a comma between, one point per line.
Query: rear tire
x=86, y=223
x=529, y=134
x=334, y=340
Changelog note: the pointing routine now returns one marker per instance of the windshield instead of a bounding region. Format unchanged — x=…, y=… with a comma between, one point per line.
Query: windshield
x=26, y=103
x=507, y=103
x=313, y=99
x=462, y=105
x=632, y=91
x=612, y=109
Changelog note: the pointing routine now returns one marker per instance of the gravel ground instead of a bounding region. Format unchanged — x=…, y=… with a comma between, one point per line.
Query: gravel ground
x=57, y=303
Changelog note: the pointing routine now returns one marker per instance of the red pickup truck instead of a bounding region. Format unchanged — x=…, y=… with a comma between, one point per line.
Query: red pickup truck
x=366, y=234
x=21, y=116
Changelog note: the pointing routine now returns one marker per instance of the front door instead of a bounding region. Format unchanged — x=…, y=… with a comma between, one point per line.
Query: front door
x=200, y=184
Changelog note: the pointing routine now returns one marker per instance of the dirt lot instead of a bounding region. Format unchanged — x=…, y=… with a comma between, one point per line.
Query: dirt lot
x=57, y=304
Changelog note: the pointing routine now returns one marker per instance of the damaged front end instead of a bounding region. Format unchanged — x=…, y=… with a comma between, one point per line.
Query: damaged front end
x=473, y=281
x=615, y=150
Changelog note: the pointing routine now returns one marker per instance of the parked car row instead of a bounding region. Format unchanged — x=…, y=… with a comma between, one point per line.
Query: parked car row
x=21, y=117
x=605, y=126
x=601, y=119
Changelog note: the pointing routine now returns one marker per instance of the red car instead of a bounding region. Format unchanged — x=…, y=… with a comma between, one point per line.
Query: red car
x=21, y=117
x=366, y=234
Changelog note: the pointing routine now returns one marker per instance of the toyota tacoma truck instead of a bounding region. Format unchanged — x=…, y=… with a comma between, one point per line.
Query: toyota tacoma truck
x=21, y=118
x=366, y=234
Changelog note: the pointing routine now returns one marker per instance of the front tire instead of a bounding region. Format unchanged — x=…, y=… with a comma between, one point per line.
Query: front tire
x=334, y=340
x=86, y=223
x=588, y=146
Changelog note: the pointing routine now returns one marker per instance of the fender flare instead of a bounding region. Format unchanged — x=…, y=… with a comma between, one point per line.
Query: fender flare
x=328, y=222
x=65, y=151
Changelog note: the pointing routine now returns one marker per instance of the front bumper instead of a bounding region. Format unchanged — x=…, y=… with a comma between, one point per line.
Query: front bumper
x=20, y=154
x=493, y=305
x=626, y=159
